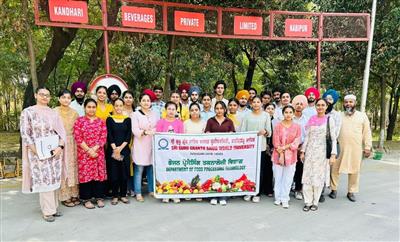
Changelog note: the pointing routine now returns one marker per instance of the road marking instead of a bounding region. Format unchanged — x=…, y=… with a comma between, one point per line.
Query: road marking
x=379, y=216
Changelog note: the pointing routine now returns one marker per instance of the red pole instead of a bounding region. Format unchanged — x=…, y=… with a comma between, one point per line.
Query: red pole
x=105, y=36
x=319, y=43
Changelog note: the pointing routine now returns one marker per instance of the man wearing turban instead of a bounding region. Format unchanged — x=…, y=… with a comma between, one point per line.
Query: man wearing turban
x=184, y=93
x=113, y=93
x=194, y=93
x=243, y=96
x=312, y=94
x=78, y=89
x=355, y=140
x=299, y=103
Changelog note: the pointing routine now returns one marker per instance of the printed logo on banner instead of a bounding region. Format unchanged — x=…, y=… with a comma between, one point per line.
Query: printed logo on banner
x=68, y=11
x=163, y=144
x=248, y=25
x=298, y=27
x=138, y=17
x=189, y=21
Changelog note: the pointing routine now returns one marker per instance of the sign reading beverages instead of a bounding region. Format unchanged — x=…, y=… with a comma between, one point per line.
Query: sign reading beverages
x=206, y=165
x=298, y=27
x=138, y=17
x=248, y=25
x=68, y=11
x=189, y=21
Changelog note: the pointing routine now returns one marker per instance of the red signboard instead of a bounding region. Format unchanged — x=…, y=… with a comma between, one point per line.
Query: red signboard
x=189, y=21
x=248, y=25
x=68, y=11
x=298, y=28
x=138, y=17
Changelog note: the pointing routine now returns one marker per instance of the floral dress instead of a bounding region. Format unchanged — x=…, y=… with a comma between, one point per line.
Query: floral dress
x=92, y=132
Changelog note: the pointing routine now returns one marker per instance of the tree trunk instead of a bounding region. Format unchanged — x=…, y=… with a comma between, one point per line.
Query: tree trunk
x=169, y=79
x=233, y=77
x=250, y=73
x=393, y=114
x=62, y=38
x=382, y=119
x=98, y=53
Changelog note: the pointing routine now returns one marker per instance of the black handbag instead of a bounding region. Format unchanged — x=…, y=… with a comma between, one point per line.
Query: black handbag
x=328, y=140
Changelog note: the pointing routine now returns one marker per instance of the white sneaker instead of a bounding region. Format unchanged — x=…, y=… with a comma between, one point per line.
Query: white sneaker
x=277, y=203
x=298, y=195
x=256, y=199
x=222, y=202
x=285, y=204
x=165, y=200
x=176, y=200
x=214, y=201
x=247, y=198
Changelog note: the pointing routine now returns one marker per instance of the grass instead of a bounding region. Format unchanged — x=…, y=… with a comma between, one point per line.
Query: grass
x=9, y=141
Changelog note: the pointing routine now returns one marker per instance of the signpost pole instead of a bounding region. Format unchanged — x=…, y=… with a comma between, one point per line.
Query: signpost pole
x=105, y=36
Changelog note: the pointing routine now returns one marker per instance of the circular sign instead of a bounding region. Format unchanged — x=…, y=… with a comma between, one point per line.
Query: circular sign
x=106, y=80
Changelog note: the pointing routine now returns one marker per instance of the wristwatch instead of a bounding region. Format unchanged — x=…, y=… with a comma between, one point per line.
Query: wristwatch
x=61, y=146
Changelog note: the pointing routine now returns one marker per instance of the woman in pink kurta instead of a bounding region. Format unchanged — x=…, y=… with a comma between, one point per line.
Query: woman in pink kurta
x=143, y=128
x=170, y=123
x=286, y=139
x=91, y=135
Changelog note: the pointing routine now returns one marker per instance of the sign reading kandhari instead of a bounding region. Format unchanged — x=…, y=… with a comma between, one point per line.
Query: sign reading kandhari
x=68, y=11
x=138, y=17
x=298, y=27
x=189, y=21
x=248, y=25
x=207, y=165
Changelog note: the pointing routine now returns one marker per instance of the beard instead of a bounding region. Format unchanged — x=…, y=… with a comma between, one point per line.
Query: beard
x=311, y=100
x=277, y=100
x=242, y=105
x=80, y=99
x=329, y=109
x=349, y=110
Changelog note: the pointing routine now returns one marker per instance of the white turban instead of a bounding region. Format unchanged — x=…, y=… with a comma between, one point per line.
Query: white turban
x=350, y=96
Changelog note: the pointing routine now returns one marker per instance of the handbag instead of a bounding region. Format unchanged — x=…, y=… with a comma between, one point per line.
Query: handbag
x=328, y=140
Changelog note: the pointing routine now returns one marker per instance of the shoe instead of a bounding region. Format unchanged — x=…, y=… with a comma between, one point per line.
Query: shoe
x=322, y=198
x=256, y=199
x=247, y=198
x=49, y=218
x=270, y=195
x=114, y=201
x=214, y=201
x=88, y=205
x=151, y=194
x=277, y=203
x=351, y=197
x=306, y=208
x=139, y=198
x=333, y=194
x=314, y=208
x=199, y=199
x=188, y=199
x=222, y=202
x=124, y=200
x=298, y=195
x=58, y=214
x=165, y=200
x=285, y=205
x=176, y=200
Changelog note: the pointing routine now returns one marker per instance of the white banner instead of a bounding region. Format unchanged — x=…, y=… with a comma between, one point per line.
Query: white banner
x=206, y=165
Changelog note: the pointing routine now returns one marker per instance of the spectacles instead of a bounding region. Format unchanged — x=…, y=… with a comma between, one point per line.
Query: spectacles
x=44, y=95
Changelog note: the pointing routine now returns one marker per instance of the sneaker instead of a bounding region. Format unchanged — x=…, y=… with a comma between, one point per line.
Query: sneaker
x=214, y=201
x=247, y=198
x=165, y=200
x=277, y=203
x=285, y=205
x=256, y=199
x=298, y=195
x=132, y=194
x=176, y=200
x=222, y=202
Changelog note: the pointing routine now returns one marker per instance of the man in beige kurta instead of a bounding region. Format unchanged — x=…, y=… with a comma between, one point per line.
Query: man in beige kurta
x=355, y=140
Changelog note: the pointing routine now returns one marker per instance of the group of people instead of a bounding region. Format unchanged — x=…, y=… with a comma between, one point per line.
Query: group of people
x=104, y=145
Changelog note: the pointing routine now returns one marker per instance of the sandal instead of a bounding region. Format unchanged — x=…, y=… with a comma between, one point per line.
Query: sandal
x=68, y=203
x=76, y=200
x=114, y=201
x=58, y=214
x=49, y=218
x=100, y=203
x=139, y=198
x=88, y=205
x=124, y=200
x=306, y=208
x=314, y=208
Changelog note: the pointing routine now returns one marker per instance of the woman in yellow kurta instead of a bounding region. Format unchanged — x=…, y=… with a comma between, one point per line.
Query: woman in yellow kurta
x=182, y=111
x=69, y=191
x=104, y=109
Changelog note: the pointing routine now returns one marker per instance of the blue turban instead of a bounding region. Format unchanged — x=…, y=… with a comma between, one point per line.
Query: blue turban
x=194, y=89
x=333, y=93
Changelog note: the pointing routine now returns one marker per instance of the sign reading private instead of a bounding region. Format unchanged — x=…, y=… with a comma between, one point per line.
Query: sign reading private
x=138, y=17
x=189, y=21
x=298, y=27
x=248, y=25
x=206, y=165
x=68, y=11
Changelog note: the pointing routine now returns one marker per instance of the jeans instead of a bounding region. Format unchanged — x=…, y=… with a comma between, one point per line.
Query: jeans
x=137, y=178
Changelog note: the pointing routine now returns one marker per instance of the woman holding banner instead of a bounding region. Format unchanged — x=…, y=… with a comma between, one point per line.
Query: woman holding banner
x=260, y=121
x=143, y=128
x=219, y=124
x=286, y=140
x=194, y=125
x=233, y=105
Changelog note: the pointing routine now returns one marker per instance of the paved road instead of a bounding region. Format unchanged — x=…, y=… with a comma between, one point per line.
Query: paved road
x=375, y=216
